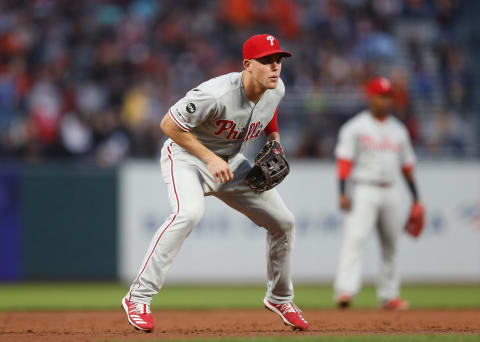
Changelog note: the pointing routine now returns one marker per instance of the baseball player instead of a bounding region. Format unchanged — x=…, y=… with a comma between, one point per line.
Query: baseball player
x=371, y=148
x=209, y=129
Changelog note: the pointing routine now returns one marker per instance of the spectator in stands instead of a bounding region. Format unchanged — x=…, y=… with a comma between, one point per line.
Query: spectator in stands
x=88, y=79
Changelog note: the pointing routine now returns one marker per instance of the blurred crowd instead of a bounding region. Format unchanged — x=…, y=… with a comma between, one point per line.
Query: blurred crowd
x=91, y=80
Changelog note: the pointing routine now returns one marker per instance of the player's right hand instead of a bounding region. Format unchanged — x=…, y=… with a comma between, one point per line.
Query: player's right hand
x=219, y=169
x=345, y=203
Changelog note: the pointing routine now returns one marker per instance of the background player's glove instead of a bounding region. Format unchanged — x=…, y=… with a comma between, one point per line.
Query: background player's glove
x=270, y=168
x=415, y=222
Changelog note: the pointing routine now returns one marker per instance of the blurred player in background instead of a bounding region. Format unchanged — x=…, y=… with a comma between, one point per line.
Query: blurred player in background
x=208, y=129
x=372, y=147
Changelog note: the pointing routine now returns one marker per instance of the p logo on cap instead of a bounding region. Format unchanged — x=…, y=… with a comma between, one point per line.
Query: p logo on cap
x=261, y=45
x=379, y=86
x=271, y=39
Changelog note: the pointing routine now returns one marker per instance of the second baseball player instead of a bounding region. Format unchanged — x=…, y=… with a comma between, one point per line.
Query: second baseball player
x=371, y=148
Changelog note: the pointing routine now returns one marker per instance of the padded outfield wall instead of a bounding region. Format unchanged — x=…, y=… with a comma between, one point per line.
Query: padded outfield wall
x=227, y=247
x=57, y=222
x=67, y=221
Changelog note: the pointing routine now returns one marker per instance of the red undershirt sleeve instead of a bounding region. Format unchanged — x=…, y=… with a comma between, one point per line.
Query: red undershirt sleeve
x=272, y=125
x=344, y=167
x=407, y=168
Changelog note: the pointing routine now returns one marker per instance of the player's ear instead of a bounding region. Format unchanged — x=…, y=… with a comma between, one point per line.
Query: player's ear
x=247, y=64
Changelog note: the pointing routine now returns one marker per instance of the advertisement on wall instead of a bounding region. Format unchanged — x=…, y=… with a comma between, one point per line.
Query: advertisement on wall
x=226, y=247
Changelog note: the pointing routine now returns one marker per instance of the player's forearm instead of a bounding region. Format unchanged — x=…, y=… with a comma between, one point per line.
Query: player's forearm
x=408, y=175
x=186, y=139
x=342, y=185
x=413, y=189
x=344, y=168
x=190, y=143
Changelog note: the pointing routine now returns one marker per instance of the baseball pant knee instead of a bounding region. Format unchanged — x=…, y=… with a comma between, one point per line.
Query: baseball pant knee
x=283, y=224
x=356, y=243
x=189, y=217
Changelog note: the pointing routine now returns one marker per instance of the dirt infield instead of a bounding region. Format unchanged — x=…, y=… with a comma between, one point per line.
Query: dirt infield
x=112, y=325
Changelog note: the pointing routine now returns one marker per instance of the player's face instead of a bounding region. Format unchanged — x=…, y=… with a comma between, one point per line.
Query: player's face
x=266, y=70
x=382, y=104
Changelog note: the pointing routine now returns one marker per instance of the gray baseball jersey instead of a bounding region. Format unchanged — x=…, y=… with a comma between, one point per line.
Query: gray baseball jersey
x=378, y=148
x=218, y=111
x=221, y=116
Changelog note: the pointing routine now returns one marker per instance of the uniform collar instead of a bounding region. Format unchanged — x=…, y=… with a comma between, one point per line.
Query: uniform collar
x=380, y=121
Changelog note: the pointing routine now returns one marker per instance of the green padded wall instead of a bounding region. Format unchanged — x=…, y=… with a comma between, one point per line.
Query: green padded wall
x=69, y=218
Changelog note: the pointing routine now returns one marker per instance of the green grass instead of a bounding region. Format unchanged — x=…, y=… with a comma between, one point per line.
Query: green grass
x=366, y=338
x=103, y=296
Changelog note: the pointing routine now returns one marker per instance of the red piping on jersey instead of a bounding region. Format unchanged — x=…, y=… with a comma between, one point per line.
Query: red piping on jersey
x=168, y=225
x=272, y=125
x=344, y=167
x=186, y=129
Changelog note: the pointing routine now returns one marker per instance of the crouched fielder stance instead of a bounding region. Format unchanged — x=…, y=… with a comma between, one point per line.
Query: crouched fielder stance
x=208, y=129
x=374, y=146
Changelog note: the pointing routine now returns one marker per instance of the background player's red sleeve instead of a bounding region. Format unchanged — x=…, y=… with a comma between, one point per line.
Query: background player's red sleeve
x=344, y=167
x=272, y=125
x=407, y=169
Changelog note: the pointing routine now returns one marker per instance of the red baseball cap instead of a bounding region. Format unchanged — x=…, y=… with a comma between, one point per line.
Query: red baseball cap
x=261, y=45
x=379, y=86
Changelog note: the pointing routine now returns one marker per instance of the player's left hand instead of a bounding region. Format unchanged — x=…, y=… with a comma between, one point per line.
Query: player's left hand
x=270, y=169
